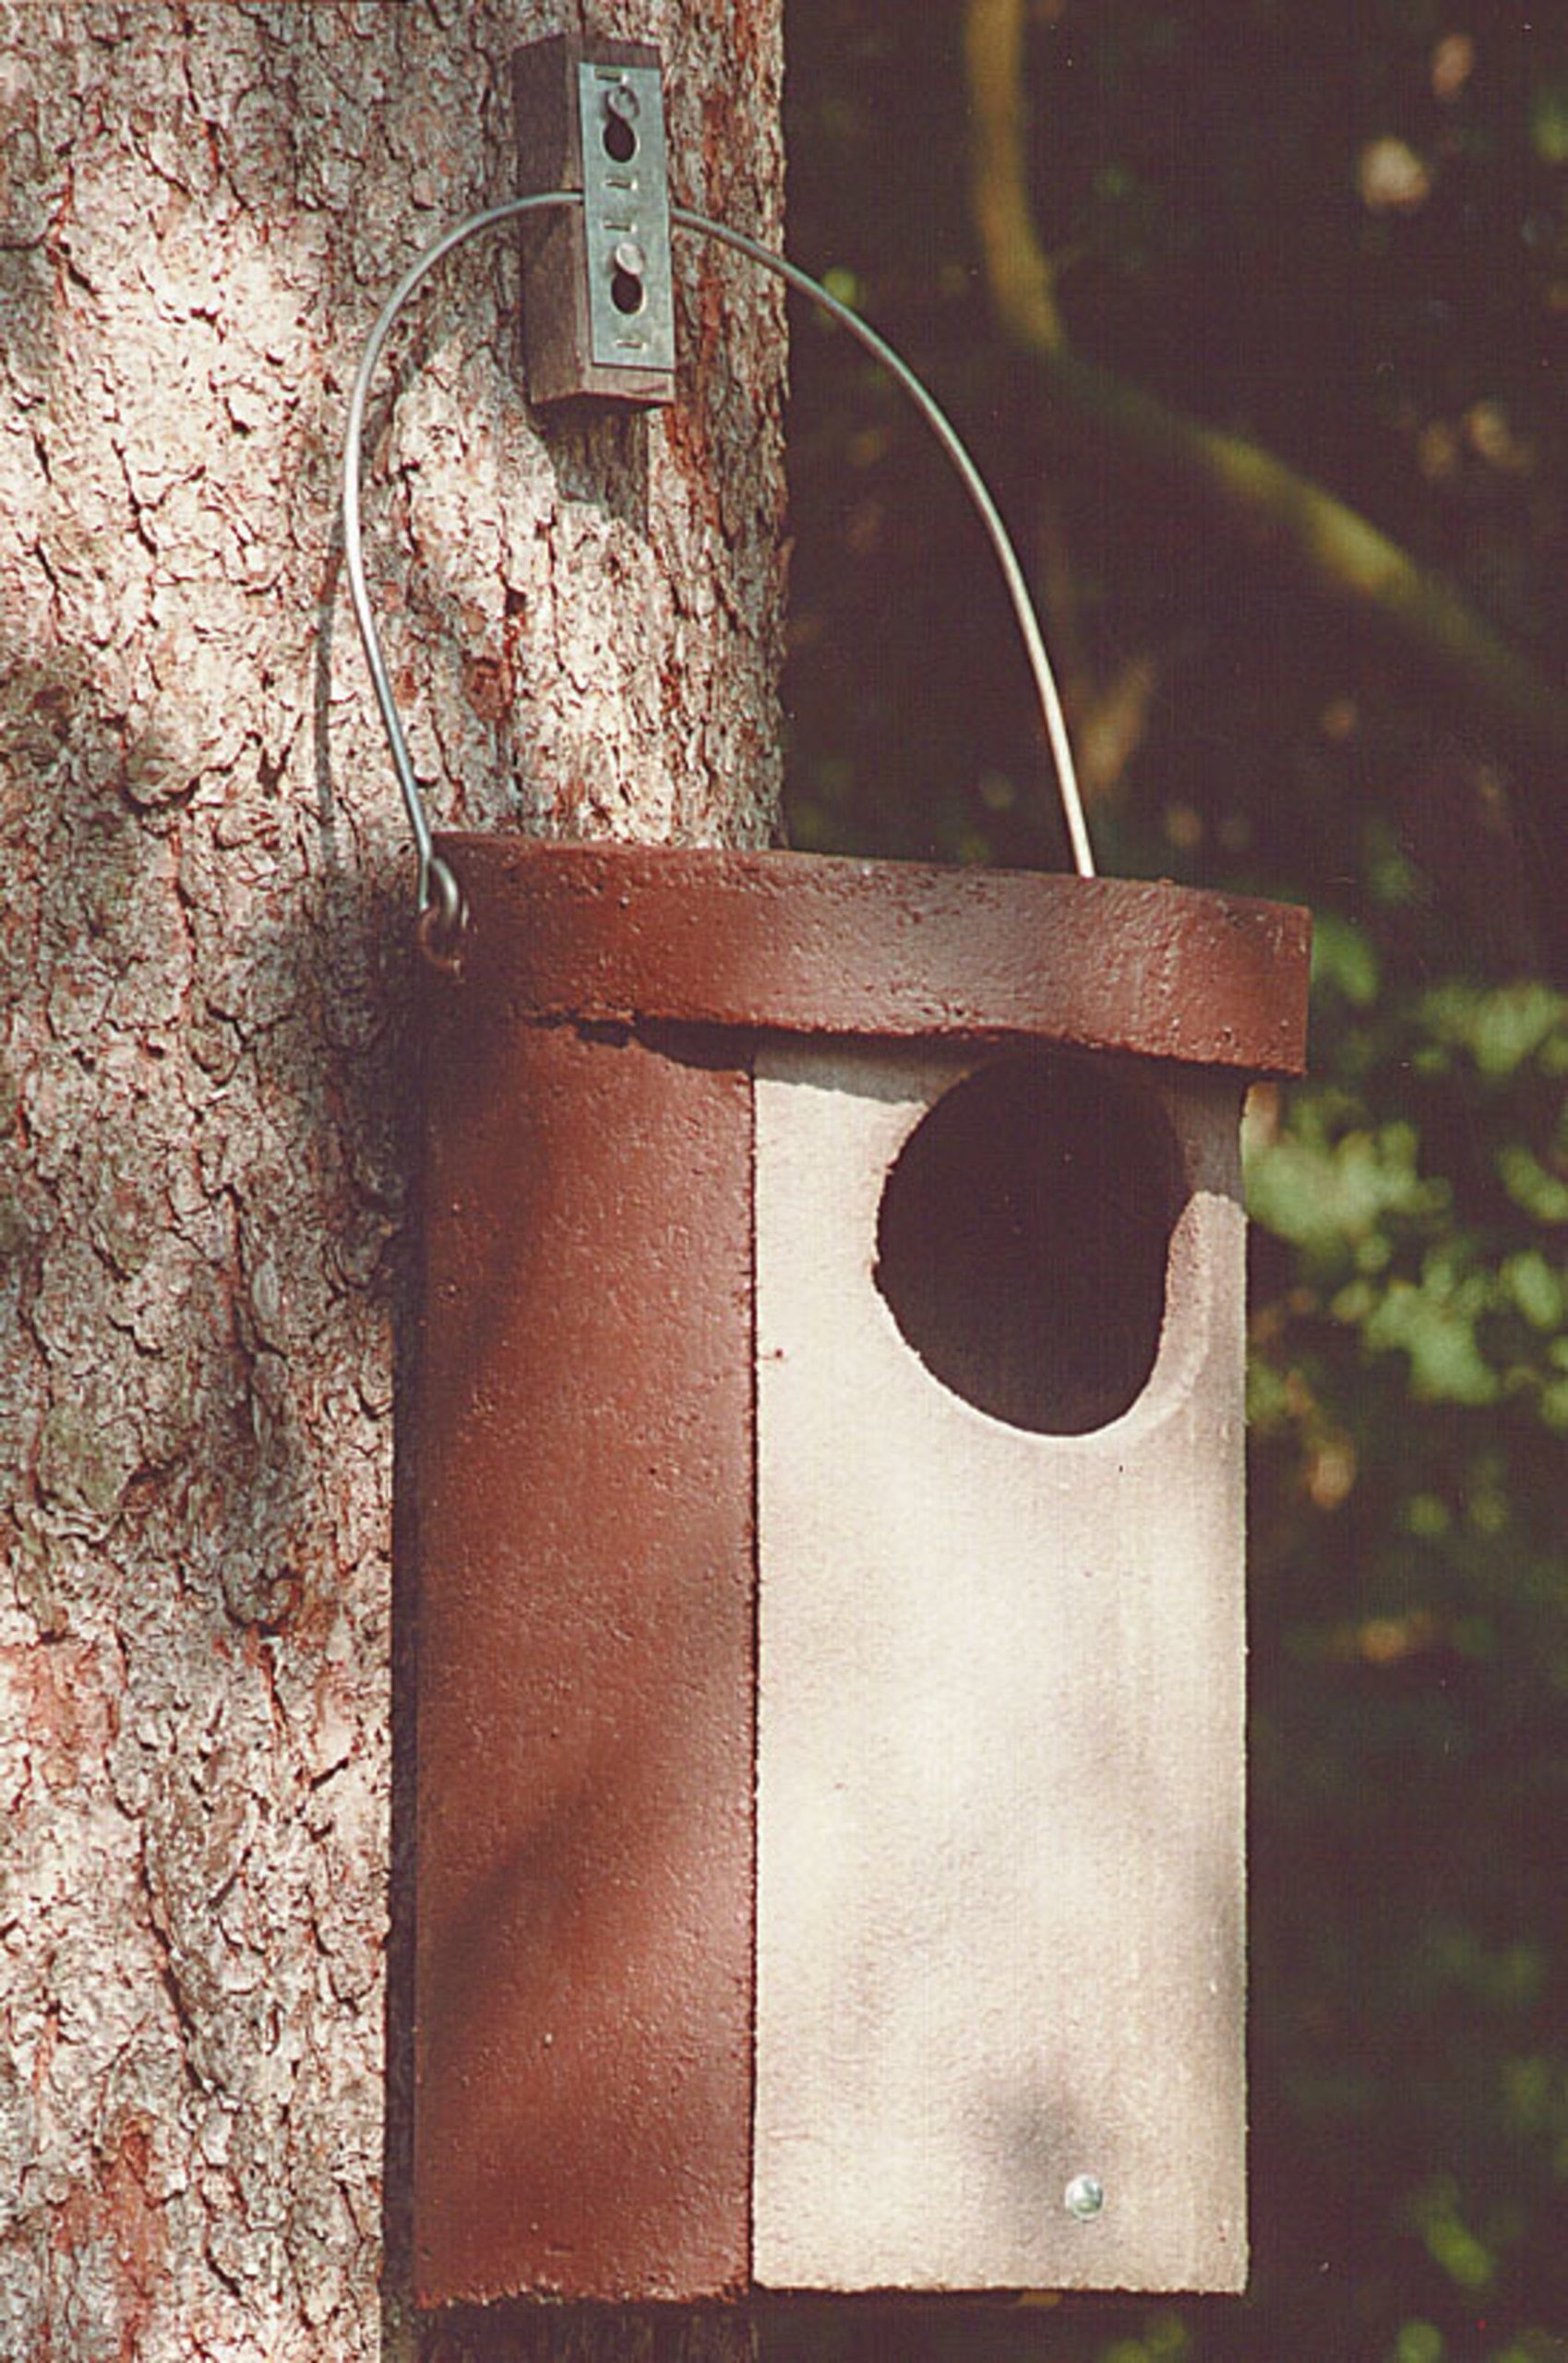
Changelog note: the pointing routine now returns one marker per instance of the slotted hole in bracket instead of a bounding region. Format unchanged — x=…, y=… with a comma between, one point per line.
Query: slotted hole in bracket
x=627, y=292
x=621, y=139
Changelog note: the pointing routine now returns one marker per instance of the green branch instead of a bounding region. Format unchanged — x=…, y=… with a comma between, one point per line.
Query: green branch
x=1321, y=538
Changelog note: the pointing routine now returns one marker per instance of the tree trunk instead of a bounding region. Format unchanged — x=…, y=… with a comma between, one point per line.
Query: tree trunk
x=203, y=2077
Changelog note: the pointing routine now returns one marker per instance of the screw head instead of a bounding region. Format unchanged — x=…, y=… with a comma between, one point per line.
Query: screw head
x=1084, y=2197
x=622, y=103
x=627, y=255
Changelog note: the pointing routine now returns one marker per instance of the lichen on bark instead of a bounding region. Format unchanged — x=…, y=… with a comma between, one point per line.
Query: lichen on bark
x=201, y=1149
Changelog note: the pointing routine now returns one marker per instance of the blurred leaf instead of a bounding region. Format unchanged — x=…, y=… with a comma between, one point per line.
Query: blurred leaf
x=1434, y=1324
x=1345, y=960
x=1549, y=122
x=1419, y=2343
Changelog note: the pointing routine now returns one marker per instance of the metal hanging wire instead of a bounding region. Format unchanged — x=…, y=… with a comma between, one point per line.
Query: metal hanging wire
x=439, y=896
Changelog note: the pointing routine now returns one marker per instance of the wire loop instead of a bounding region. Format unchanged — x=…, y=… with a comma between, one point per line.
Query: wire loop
x=442, y=919
x=440, y=903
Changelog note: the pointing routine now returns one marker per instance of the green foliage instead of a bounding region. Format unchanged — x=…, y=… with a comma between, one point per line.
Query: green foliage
x=1452, y=1269
x=1411, y=1684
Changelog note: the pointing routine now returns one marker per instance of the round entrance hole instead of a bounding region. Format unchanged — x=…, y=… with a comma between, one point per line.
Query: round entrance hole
x=1022, y=1240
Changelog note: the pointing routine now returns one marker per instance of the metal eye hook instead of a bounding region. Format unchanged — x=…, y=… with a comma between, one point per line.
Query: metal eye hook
x=443, y=920
x=442, y=910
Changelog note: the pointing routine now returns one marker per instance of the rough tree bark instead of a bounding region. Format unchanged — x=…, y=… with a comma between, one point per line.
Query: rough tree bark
x=206, y=954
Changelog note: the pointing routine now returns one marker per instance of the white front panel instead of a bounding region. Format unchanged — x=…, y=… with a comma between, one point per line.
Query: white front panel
x=1000, y=1785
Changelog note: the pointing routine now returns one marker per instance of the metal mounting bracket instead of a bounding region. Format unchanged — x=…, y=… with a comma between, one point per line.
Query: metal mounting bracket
x=598, y=299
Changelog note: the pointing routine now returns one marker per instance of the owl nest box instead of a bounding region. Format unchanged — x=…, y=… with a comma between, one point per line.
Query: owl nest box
x=829, y=1478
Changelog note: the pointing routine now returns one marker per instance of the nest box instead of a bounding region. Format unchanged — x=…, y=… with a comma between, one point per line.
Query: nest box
x=829, y=1455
